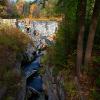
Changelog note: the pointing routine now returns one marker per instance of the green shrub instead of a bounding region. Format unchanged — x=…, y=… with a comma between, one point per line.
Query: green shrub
x=12, y=44
x=13, y=38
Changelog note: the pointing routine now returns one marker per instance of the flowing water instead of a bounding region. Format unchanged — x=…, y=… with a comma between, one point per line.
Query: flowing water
x=40, y=32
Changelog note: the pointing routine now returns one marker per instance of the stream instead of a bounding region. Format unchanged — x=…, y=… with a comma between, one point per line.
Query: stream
x=41, y=33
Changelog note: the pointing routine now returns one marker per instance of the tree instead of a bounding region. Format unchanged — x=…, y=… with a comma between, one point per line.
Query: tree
x=3, y=8
x=93, y=26
x=81, y=23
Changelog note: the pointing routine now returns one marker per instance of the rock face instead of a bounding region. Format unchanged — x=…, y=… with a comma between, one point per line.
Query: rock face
x=53, y=86
x=22, y=93
x=44, y=30
x=3, y=91
x=41, y=32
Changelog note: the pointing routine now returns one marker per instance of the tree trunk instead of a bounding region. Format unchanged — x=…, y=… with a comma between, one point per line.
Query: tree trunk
x=81, y=21
x=91, y=35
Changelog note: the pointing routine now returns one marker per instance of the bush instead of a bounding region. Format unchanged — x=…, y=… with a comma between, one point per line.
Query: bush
x=13, y=38
x=12, y=44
